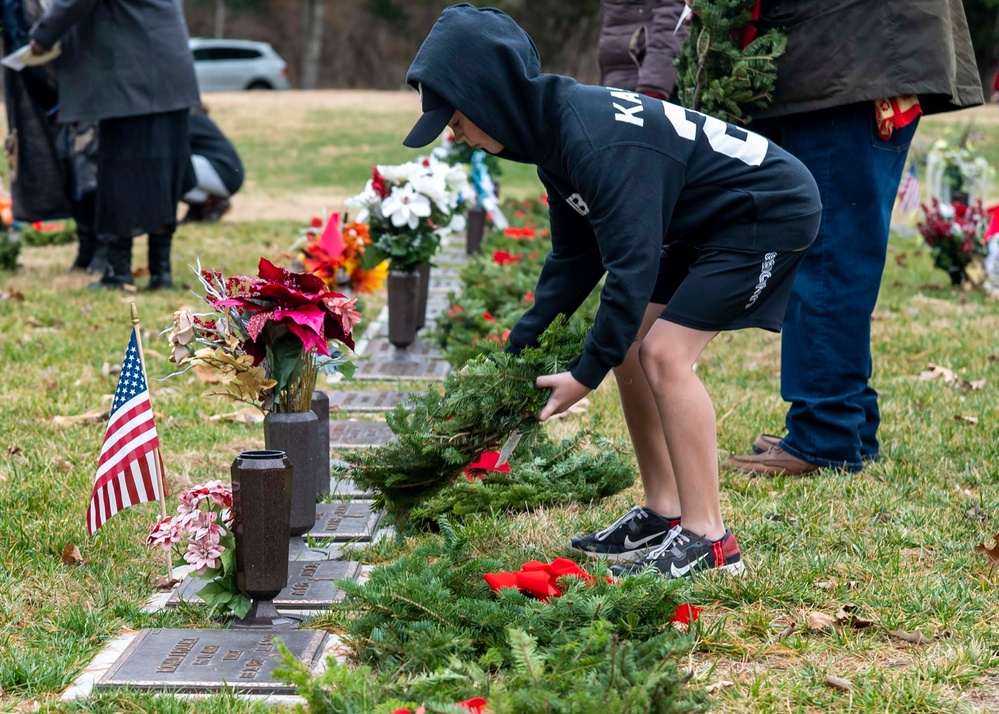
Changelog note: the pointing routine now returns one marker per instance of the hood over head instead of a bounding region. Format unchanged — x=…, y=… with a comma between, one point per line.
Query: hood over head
x=484, y=65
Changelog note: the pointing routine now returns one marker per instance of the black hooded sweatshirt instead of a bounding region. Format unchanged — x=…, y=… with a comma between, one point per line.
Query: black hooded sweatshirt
x=625, y=174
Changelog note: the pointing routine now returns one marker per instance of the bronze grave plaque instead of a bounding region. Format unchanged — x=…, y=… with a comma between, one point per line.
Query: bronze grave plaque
x=210, y=660
x=365, y=400
x=344, y=522
x=359, y=434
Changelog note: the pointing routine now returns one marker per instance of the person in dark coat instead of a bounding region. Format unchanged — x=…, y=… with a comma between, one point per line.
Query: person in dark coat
x=638, y=45
x=126, y=64
x=217, y=168
x=850, y=88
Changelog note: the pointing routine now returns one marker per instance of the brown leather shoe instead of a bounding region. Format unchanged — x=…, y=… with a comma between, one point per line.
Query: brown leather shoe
x=764, y=442
x=772, y=462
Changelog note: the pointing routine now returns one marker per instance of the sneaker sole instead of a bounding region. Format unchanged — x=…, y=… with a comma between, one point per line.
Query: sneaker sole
x=734, y=570
x=628, y=557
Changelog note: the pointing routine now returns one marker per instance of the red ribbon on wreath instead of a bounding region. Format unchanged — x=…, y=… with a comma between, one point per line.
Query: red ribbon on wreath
x=540, y=579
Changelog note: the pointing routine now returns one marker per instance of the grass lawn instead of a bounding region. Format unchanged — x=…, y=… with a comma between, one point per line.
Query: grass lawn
x=884, y=553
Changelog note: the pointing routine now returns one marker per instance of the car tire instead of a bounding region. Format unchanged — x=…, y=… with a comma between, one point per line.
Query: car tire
x=259, y=84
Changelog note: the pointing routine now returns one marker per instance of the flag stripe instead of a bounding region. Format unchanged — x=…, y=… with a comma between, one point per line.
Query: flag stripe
x=127, y=466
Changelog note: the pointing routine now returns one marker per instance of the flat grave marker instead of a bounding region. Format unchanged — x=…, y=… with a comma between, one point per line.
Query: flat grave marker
x=365, y=400
x=311, y=585
x=401, y=369
x=345, y=488
x=210, y=660
x=359, y=434
x=420, y=351
x=344, y=522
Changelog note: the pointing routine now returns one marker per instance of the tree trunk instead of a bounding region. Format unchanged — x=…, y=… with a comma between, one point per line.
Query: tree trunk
x=219, y=18
x=312, y=42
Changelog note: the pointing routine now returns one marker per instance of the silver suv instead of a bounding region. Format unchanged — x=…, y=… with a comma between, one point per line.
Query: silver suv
x=234, y=65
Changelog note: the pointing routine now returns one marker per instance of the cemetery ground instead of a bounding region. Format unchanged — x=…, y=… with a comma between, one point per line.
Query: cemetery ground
x=872, y=578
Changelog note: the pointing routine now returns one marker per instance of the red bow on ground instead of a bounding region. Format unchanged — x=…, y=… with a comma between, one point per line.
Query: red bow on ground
x=475, y=705
x=539, y=579
x=686, y=613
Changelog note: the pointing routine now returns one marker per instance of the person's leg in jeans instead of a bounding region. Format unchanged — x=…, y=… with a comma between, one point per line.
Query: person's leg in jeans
x=826, y=344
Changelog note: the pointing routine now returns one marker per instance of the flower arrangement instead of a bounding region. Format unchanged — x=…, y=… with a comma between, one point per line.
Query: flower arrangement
x=201, y=536
x=267, y=337
x=334, y=255
x=955, y=234
x=954, y=172
x=407, y=209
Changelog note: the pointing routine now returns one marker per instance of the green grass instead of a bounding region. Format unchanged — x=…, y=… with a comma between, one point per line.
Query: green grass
x=895, y=542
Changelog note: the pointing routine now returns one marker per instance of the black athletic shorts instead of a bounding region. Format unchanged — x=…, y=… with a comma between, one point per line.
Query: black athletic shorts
x=712, y=288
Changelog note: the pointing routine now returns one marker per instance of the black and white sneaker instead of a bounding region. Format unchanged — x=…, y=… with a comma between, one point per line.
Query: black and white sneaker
x=636, y=533
x=683, y=553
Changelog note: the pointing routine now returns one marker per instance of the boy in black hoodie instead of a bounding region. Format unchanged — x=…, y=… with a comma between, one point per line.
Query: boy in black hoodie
x=698, y=225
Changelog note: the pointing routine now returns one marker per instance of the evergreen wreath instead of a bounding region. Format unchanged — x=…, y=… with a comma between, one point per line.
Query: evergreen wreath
x=439, y=434
x=427, y=630
x=715, y=76
x=582, y=467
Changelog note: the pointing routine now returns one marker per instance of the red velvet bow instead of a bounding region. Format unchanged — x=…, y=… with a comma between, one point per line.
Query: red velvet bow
x=539, y=579
x=685, y=613
x=486, y=462
x=475, y=705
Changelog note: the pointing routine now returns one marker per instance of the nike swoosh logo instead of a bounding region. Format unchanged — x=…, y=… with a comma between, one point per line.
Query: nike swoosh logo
x=629, y=543
x=680, y=572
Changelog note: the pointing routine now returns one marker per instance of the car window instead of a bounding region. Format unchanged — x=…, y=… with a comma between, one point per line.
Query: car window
x=217, y=54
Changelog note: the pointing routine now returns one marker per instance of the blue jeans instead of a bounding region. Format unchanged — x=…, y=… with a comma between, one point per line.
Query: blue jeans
x=826, y=344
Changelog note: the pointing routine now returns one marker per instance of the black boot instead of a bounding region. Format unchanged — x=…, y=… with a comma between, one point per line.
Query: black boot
x=99, y=261
x=118, y=272
x=86, y=243
x=159, y=261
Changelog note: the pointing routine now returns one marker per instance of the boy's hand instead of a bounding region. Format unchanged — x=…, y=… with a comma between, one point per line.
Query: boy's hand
x=566, y=391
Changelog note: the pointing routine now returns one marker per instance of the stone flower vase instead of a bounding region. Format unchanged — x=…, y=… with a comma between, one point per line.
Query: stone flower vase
x=261, y=510
x=321, y=408
x=403, y=301
x=474, y=229
x=295, y=433
x=422, y=295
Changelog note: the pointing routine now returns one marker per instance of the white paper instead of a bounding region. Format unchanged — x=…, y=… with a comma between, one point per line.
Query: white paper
x=683, y=16
x=21, y=58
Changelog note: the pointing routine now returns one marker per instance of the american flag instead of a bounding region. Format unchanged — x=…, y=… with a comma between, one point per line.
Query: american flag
x=908, y=192
x=130, y=464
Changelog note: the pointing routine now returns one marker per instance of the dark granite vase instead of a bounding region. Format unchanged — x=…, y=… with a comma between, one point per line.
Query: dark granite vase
x=474, y=228
x=321, y=408
x=295, y=434
x=403, y=297
x=261, y=510
x=422, y=295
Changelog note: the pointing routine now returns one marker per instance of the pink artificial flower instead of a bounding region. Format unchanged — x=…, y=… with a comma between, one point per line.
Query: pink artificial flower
x=343, y=307
x=164, y=533
x=206, y=529
x=202, y=555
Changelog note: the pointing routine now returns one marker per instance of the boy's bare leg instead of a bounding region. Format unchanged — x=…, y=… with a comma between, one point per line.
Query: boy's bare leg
x=642, y=416
x=667, y=356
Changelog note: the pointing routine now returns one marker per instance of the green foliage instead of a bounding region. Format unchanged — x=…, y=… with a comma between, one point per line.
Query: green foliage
x=10, y=248
x=437, y=434
x=580, y=468
x=39, y=234
x=714, y=75
x=438, y=635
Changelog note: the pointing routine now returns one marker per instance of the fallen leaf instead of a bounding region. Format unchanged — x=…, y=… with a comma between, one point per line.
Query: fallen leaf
x=718, y=686
x=992, y=553
x=949, y=376
x=164, y=583
x=923, y=552
x=71, y=555
x=786, y=632
x=13, y=450
x=94, y=416
x=820, y=621
x=32, y=321
x=916, y=638
x=110, y=370
x=966, y=417
x=846, y=616
x=883, y=516
x=781, y=518
x=250, y=415
x=976, y=513
x=843, y=685
x=824, y=584
x=14, y=295
x=64, y=465
x=966, y=492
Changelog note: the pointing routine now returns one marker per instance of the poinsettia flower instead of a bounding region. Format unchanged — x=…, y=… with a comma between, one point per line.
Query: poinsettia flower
x=405, y=206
